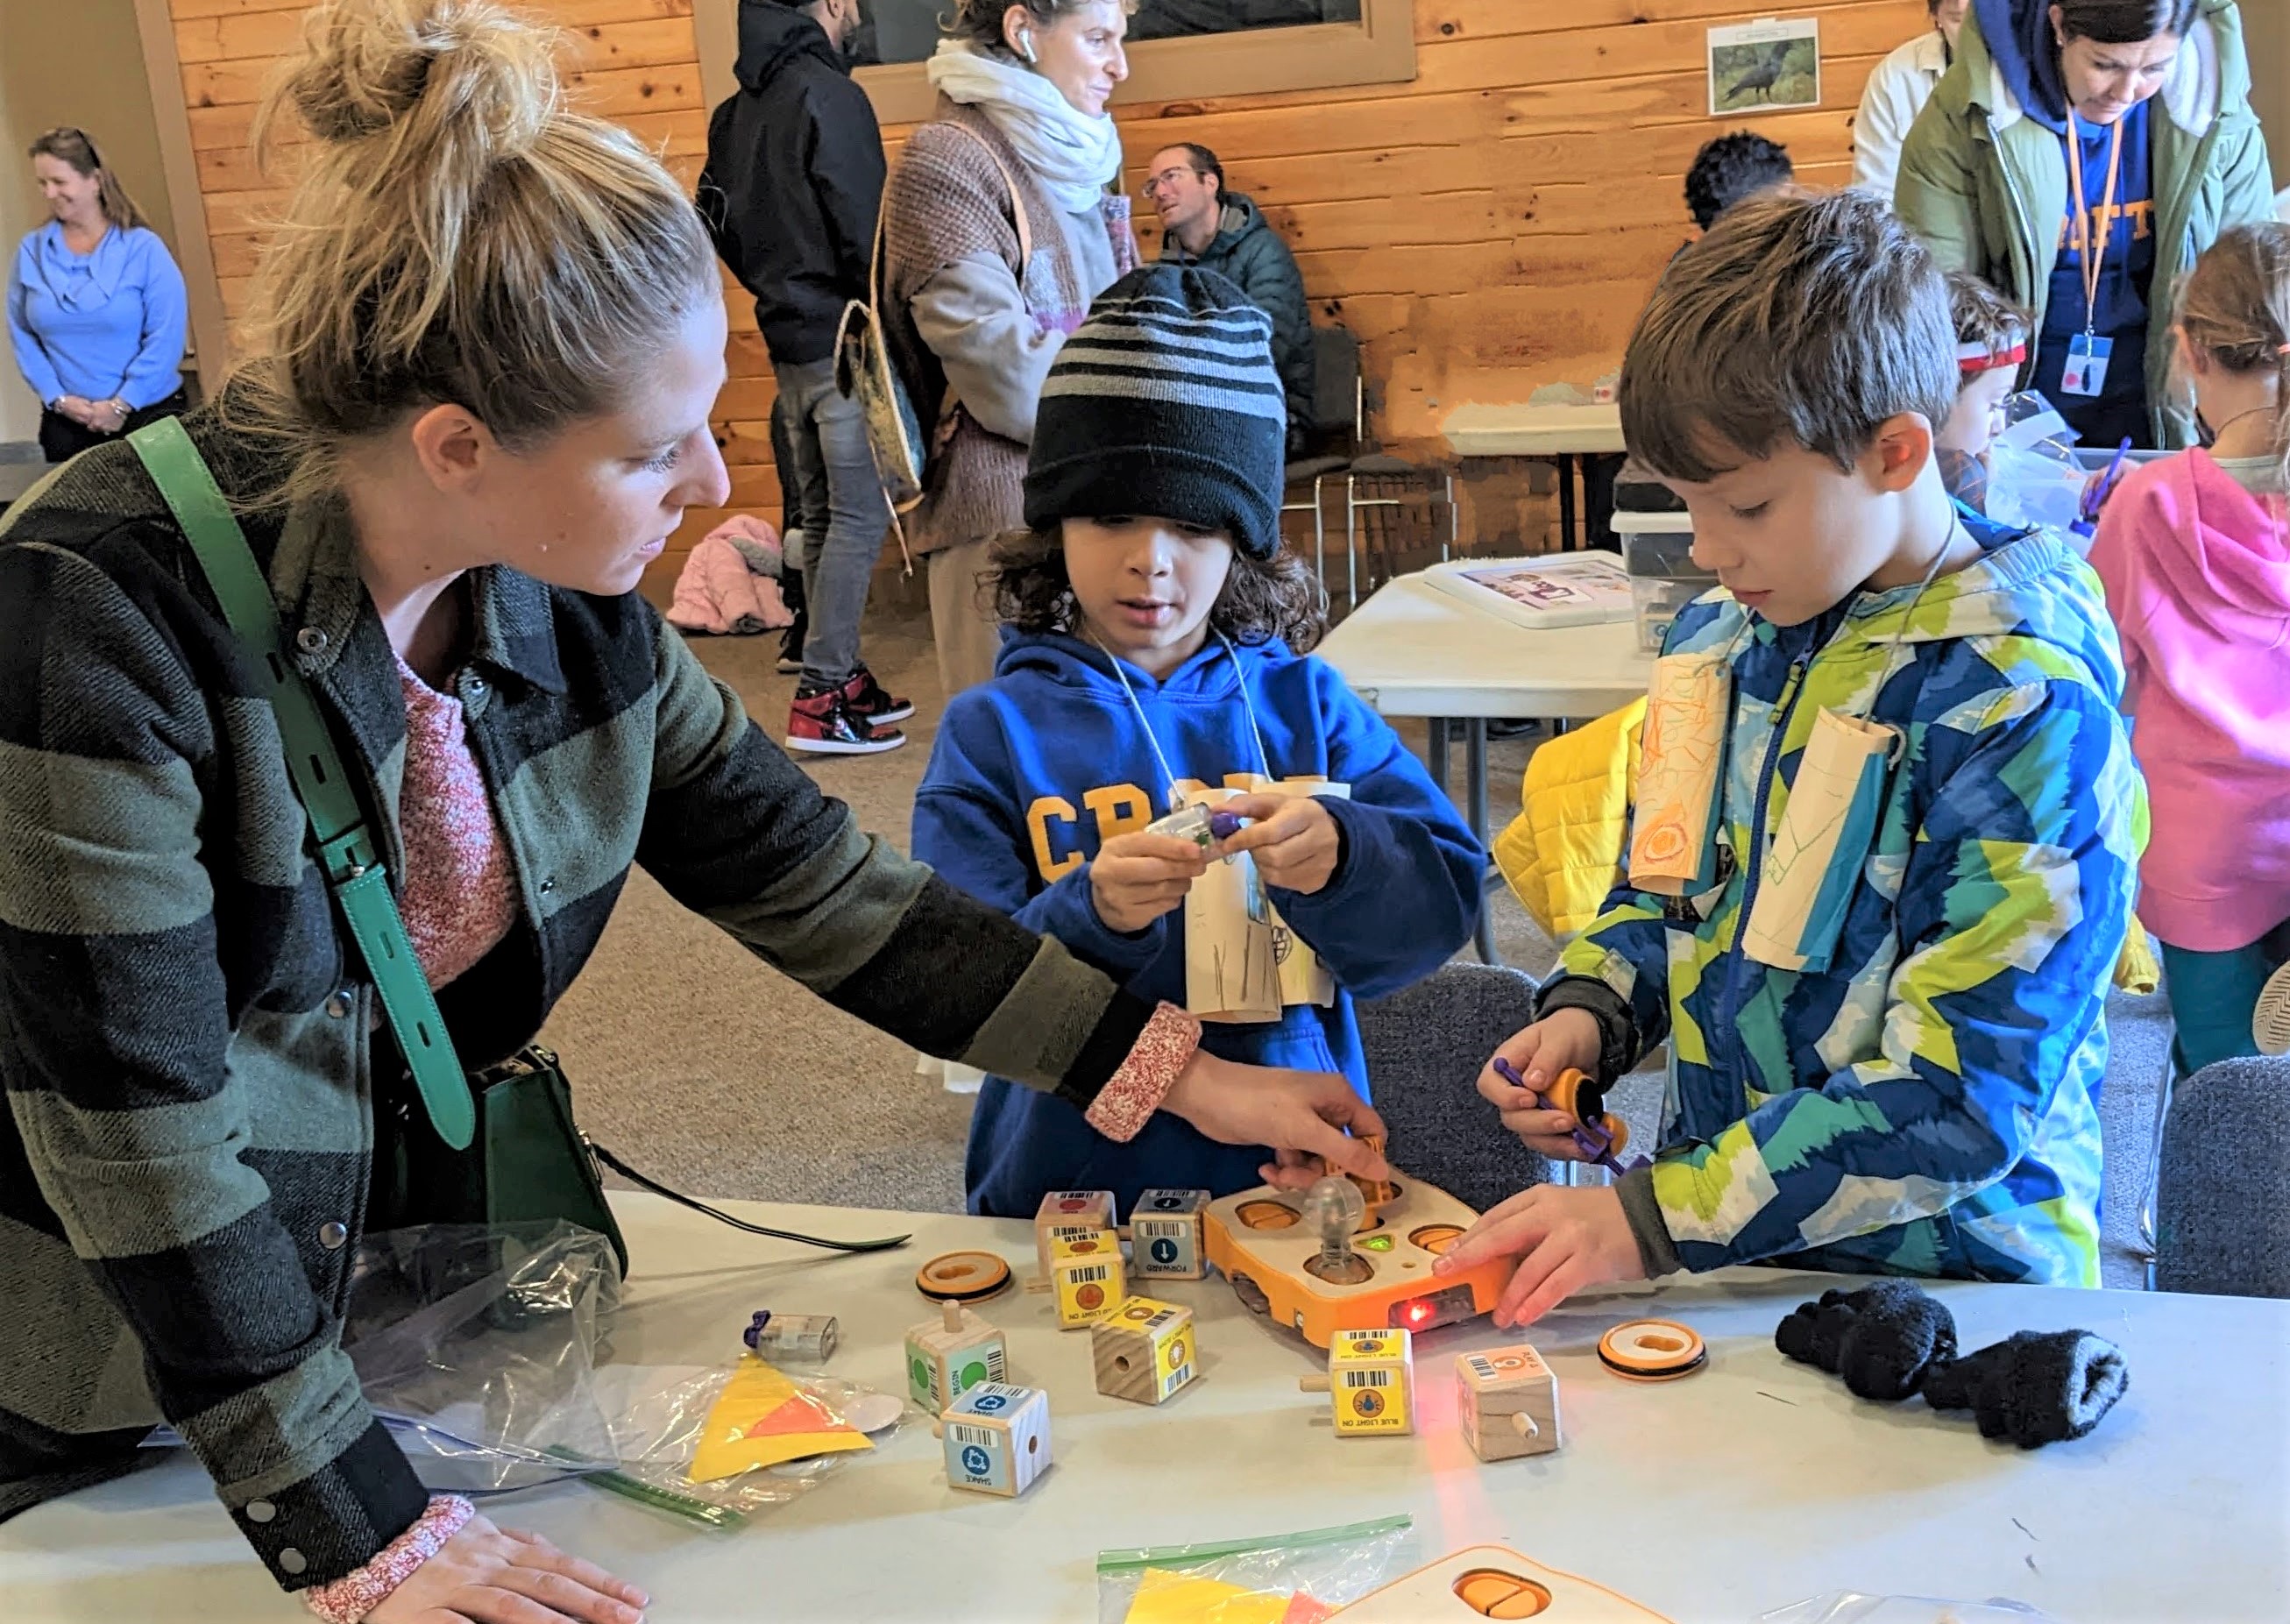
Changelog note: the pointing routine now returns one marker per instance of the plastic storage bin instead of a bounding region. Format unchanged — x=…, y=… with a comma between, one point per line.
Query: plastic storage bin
x=1657, y=553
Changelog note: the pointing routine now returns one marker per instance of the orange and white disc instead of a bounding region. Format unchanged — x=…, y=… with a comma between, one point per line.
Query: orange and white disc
x=962, y=1276
x=1652, y=1350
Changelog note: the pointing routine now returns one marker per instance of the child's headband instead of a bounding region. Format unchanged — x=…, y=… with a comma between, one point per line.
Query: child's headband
x=1979, y=356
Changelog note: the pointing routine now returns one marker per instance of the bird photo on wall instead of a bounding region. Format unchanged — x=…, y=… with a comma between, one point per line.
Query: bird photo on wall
x=1765, y=64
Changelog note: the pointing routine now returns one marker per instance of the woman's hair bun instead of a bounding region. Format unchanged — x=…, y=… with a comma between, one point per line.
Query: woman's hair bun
x=464, y=73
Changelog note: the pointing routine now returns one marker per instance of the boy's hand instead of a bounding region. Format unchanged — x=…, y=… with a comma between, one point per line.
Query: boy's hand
x=1293, y=838
x=1567, y=1240
x=1565, y=1040
x=1136, y=878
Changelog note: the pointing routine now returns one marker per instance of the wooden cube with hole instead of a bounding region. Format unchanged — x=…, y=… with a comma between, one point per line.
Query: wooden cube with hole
x=1370, y=1383
x=997, y=1438
x=948, y=1356
x=1144, y=1352
x=1165, y=1239
x=1068, y=1215
x=1085, y=1272
x=1506, y=1402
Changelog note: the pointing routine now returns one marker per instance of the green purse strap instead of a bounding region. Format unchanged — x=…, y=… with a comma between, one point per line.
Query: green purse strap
x=346, y=847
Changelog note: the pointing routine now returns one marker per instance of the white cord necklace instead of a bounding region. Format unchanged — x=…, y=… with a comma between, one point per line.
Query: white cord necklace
x=1176, y=795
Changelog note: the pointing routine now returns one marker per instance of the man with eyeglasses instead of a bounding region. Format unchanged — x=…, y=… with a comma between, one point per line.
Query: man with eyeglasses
x=1203, y=224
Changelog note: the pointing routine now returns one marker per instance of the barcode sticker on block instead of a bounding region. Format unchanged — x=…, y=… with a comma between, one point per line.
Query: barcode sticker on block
x=1090, y=1276
x=984, y=1438
x=1367, y=1379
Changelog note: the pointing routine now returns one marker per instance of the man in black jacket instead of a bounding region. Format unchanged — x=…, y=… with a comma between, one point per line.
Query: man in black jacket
x=1203, y=224
x=791, y=191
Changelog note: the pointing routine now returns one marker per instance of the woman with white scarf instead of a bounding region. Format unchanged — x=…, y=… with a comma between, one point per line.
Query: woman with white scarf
x=999, y=231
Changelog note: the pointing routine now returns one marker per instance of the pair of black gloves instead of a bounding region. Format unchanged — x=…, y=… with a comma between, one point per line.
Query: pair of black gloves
x=1894, y=1338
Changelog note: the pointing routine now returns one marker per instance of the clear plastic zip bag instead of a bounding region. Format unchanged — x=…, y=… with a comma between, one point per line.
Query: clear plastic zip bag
x=1282, y=1578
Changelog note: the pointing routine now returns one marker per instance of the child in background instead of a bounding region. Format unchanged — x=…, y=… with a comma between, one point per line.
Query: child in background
x=1991, y=348
x=2195, y=550
x=1888, y=1010
x=1732, y=167
x=1152, y=622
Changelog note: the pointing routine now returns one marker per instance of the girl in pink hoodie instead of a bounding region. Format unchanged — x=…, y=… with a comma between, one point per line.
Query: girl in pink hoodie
x=2195, y=551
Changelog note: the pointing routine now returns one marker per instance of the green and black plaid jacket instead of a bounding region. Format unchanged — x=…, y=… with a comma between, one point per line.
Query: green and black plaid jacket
x=191, y=1056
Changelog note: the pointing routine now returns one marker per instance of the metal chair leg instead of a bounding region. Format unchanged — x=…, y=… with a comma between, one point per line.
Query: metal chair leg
x=2147, y=1224
x=1351, y=542
x=1319, y=532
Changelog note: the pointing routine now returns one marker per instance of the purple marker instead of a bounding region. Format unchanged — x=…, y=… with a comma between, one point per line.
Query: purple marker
x=1592, y=1141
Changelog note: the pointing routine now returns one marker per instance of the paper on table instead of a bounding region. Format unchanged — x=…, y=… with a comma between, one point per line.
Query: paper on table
x=763, y=1418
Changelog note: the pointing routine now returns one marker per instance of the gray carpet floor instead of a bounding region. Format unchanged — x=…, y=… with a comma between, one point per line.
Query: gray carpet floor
x=707, y=1069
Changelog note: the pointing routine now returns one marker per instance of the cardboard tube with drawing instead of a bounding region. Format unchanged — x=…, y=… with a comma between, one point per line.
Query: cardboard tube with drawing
x=1242, y=962
x=1820, y=843
x=1673, y=837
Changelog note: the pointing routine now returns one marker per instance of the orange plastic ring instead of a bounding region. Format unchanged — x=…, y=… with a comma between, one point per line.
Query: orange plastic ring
x=962, y=1276
x=1652, y=1349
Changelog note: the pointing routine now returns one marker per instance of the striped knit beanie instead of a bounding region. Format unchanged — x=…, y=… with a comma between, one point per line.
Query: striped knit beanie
x=1164, y=402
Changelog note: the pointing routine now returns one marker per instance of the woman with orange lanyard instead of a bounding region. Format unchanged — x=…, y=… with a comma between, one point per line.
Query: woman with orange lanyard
x=2080, y=155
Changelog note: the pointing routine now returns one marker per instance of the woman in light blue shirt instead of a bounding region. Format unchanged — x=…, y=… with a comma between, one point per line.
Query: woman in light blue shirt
x=95, y=305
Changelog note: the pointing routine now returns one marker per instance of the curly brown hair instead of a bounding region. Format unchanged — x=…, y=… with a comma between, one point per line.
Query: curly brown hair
x=1262, y=598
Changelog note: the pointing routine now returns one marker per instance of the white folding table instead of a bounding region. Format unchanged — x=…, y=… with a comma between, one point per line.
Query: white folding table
x=1413, y=650
x=1736, y=1491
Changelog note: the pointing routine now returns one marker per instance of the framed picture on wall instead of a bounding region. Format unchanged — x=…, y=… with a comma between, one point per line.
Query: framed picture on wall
x=1755, y=66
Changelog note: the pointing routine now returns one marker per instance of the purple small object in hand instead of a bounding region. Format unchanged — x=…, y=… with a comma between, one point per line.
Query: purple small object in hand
x=1593, y=1142
x=1225, y=825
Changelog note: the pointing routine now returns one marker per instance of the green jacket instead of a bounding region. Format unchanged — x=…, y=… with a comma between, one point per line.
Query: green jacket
x=1249, y=253
x=1985, y=184
x=196, y=1083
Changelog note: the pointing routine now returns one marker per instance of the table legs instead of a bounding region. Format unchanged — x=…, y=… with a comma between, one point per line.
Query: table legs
x=1565, y=463
x=1474, y=806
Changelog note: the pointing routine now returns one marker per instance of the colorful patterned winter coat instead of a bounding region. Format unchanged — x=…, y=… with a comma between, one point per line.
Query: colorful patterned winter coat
x=1925, y=1103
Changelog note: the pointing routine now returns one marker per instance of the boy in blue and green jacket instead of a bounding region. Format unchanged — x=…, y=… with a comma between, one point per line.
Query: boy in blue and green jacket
x=1888, y=1003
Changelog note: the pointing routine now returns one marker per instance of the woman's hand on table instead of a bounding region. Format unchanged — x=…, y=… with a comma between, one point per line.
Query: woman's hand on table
x=1303, y=1115
x=489, y=1575
x=1567, y=1240
x=1294, y=839
x=1135, y=878
x=1564, y=1040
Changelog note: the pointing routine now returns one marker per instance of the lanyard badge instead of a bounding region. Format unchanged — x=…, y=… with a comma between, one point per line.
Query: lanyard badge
x=2088, y=355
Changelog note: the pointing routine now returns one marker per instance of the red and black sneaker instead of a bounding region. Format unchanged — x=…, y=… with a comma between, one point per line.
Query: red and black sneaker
x=874, y=702
x=825, y=724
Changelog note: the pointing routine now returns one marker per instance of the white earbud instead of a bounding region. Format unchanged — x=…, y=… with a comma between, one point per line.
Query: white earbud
x=1026, y=46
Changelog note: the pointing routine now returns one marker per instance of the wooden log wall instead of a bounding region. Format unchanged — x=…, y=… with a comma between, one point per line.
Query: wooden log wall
x=1491, y=227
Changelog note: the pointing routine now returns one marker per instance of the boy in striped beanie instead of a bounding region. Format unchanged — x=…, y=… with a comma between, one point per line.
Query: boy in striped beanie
x=1153, y=647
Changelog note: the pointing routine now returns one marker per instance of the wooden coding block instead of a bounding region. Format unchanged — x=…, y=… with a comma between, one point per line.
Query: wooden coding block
x=1506, y=1402
x=1144, y=1352
x=948, y=1356
x=1165, y=1234
x=1370, y=1383
x=1068, y=1215
x=1086, y=1274
x=997, y=1438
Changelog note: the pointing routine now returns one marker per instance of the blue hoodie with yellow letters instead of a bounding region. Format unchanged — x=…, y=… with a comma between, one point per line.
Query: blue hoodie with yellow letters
x=1034, y=772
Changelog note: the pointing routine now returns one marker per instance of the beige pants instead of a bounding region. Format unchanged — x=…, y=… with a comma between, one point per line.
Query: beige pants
x=968, y=636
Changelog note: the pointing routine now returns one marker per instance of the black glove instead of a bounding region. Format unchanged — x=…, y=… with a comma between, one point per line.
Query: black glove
x=2034, y=1386
x=1881, y=1339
